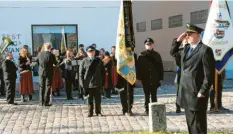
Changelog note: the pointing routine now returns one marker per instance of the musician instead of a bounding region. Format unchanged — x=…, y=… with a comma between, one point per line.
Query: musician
x=2, y=84
x=114, y=72
x=46, y=61
x=79, y=57
x=68, y=73
x=57, y=83
x=108, y=86
x=9, y=71
x=26, y=81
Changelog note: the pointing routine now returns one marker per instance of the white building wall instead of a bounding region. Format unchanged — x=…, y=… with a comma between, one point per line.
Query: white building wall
x=150, y=10
x=97, y=21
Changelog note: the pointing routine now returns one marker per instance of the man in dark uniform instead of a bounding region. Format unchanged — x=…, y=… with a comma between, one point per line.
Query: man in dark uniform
x=91, y=76
x=9, y=70
x=197, y=73
x=213, y=105
x=2, y=84
x=124, y=96
x=46, y=61
x=97, y=52
x=150, y=72
x=177, y=57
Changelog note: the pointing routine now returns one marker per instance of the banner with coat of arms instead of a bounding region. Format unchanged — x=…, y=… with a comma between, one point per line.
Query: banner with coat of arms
x=125, y=40
x=218, y=33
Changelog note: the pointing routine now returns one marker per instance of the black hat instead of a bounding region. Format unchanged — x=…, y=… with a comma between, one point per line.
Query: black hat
x=193, y=29
x=81, y=45
x=149, y=41
x=90, y=48
x=107, y=53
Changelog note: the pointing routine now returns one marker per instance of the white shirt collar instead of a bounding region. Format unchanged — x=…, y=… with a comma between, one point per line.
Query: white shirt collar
x=195, y=45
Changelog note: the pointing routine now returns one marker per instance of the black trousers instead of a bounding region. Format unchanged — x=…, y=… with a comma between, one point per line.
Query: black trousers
x=45, y=89
x=69, y=88
x=212, y=94
x=124, y=98
x=107, y=92
x=10, y=90
x=150, y=90
x=196, y=121
x=2, y=85
x=94, y=94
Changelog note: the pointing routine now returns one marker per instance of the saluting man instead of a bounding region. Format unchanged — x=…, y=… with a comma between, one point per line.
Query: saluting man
x=197, y=73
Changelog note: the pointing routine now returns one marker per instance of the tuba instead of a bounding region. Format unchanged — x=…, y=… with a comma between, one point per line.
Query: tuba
x=6, y=41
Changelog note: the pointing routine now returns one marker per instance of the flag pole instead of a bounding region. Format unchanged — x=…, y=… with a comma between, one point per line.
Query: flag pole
x=216, y=90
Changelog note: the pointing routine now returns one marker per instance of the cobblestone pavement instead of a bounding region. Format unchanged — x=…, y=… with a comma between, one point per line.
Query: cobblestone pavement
x=71, y=116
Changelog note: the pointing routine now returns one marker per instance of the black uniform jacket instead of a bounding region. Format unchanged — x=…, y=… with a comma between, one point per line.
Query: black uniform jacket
x=197, y=74
x=150, y=68
x=46, y=61
x=91, y=73
x=9, y=70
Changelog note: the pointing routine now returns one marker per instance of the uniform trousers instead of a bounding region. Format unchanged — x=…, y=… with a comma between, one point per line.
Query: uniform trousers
x=150, y=90
x=196, y=121
x=10, y=90
x=124, y=98
x=94, y=94
x=45, y=89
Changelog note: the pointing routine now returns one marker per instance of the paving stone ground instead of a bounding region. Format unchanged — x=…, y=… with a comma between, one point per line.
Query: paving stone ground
x=71, y=116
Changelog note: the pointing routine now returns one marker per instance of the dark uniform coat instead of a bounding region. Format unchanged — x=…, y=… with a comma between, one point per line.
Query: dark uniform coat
x=9, y=71
x=197, y=71
x=91, y=73
x=46, y=61
x=150, y=68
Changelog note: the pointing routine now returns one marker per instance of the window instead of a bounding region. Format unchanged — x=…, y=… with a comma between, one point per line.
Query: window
x=156, y=24
x=175, y=21
x=141, y=27
x=53, y=34
x=199, y=17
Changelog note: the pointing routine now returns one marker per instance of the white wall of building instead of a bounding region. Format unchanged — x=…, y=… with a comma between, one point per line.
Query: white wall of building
x=97, y=21
x=150, y=10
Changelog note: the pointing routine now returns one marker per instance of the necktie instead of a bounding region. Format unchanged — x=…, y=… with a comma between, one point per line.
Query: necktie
x=190, y=51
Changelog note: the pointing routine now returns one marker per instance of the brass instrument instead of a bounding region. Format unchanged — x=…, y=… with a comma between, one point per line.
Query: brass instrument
x=6, y=41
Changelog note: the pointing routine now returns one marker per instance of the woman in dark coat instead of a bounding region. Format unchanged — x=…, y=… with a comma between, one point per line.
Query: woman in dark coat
x=26, y=82
x=108, y=86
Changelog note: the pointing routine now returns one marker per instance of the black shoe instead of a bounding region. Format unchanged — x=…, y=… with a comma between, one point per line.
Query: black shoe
x=13, y=103
x=70, y=98
x=89, y=115
x=23, y=98
x=48, y=105
x=224, y=109
x=30, y=98
x=178, y=111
